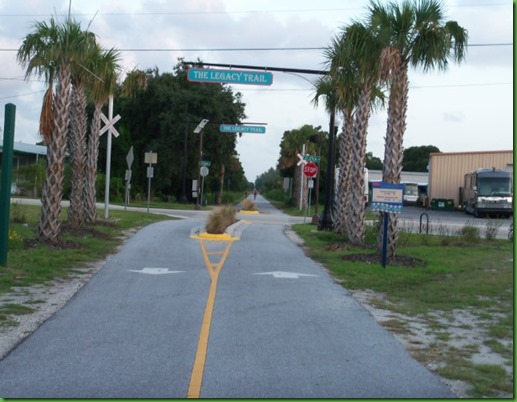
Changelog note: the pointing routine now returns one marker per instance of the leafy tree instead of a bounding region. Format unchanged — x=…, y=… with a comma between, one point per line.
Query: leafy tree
x=269, y=180
x=161, y=117
x=372, y=162
x=413, y=33
x=290, y=146
x=416, y=159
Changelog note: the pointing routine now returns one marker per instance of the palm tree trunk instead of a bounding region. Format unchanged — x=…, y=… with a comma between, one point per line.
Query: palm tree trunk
x=393, y=150
x=49, y=225
x=356, y=218
x=343, y=185
x=91, y=166
x=77, y=142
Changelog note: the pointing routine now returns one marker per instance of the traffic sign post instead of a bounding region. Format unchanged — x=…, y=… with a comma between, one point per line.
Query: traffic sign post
x=109, y=127
x=130, y=157
x=150, y=158
x=203, y=171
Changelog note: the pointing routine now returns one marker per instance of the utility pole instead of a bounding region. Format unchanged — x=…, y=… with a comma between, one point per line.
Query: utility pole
x=327, y=222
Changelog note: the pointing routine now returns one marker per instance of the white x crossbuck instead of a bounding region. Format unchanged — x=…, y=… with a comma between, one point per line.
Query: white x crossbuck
x=109, y=125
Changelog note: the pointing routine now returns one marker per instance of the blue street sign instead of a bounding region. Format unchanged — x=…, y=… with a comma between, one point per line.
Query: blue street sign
x=230, y=128
x=230, y=76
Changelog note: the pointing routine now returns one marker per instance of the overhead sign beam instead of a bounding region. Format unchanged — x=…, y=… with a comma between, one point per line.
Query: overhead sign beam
x=263, y=68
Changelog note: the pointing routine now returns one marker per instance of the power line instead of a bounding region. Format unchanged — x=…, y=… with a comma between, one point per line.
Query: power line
x=255, y=49
x=213, y=12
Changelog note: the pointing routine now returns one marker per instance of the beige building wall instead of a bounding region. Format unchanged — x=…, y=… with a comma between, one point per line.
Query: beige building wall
x=447, y=170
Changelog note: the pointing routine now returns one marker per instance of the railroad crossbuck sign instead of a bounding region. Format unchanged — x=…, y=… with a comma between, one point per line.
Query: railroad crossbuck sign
x=310, y=169
x=109, y=124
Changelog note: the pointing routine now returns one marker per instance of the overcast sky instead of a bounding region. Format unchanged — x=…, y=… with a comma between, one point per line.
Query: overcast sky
x=467, y=108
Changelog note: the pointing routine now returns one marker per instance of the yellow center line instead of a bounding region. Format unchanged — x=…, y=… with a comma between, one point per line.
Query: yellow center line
x=214, y=269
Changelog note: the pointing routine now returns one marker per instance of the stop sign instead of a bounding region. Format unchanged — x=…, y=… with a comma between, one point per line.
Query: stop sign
x=310, y=169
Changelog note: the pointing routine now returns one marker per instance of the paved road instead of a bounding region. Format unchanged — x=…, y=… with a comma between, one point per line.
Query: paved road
x=173, y=315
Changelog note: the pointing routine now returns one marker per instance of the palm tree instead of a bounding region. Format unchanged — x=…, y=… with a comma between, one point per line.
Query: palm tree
x=51, y=50
x=356, y=58
x=415, y=34
x=104, y=66
x=81, y=78
x=343, y=81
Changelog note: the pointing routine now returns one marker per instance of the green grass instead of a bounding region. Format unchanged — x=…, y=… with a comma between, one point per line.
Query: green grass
x=458, y=273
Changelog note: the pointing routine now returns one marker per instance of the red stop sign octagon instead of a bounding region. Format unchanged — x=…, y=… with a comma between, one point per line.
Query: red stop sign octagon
x=310, y=169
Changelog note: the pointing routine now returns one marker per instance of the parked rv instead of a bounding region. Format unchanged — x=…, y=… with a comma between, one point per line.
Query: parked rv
x=410, y=196
x=488, y=191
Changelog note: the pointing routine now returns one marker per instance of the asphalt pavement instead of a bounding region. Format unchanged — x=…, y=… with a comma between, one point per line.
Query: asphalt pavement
x=176, y=314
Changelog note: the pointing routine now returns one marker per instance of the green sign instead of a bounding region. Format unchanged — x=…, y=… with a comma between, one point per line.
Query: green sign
x=205, y=163
x=312, y=158
x=230, y=76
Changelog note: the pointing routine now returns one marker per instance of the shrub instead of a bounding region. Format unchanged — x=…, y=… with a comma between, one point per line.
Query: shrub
x=491, y=229
x=469, y=233
x=220, y=219
x=248, y=205
x=17, y=214
x=15, y=241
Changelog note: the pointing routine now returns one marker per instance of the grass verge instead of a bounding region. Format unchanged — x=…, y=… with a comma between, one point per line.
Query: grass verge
x=452, y=289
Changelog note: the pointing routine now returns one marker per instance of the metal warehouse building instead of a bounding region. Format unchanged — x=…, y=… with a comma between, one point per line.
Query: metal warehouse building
x=447, y=170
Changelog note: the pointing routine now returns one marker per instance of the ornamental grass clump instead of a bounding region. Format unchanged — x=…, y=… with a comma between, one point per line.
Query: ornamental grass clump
x=220, y=219
x=248, y=205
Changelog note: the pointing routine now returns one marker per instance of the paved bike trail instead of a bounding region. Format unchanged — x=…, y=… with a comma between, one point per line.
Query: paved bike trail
x=280, y=327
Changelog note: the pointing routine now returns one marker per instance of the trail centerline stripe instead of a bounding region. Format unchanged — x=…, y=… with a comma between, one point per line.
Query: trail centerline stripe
x=198, y=369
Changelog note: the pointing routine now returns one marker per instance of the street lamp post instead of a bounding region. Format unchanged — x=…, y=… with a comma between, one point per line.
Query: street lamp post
x=326, y=222
x=199, y=130
x=183, y=195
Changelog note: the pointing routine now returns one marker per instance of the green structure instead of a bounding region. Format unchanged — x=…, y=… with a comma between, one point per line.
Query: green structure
x=5, y=181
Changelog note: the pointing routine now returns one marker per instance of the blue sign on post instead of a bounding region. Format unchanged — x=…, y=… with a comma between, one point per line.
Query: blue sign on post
x=230, y=76
x=230, y=128
x=386, y=197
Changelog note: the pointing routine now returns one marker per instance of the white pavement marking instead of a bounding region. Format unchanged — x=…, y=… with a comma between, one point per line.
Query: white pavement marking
x=283, y=275
x=155, y=271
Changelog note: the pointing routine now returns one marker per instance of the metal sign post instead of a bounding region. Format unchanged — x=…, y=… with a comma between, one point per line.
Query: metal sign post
x=203, y=171
x=109, y=123
x=387, y=198
x=129, y=159
x=150, y=158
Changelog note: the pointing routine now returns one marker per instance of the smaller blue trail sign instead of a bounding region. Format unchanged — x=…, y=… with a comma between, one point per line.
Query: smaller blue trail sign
x=230, y=128
x=388, y=198
x=230, y=76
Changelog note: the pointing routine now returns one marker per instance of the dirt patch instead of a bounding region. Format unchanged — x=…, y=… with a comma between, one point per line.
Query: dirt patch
x=400, y=260
x=67, y=244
